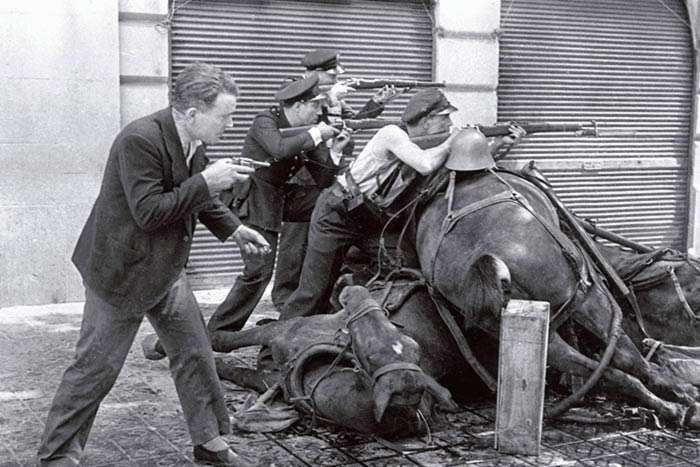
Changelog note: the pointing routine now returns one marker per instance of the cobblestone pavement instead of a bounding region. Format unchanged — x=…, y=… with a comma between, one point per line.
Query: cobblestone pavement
x=140, y=422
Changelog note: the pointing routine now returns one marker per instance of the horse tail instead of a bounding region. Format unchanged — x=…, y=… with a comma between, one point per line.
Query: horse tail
x=488, y=286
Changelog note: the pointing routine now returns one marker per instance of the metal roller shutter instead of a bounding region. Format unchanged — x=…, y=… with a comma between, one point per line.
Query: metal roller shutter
x=626, y=64
x=261, y=44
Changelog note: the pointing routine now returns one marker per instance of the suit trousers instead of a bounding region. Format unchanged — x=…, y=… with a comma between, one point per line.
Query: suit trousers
x=106, y=335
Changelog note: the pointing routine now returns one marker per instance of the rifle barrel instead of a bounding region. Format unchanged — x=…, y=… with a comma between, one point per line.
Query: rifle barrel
x=502, y=130
x=399, y=83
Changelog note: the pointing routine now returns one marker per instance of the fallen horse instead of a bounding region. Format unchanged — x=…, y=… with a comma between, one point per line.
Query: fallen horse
x=493, y=236
x=355, y=368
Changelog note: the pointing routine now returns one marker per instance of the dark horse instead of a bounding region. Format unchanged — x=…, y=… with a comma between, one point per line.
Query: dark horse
x=502, y=215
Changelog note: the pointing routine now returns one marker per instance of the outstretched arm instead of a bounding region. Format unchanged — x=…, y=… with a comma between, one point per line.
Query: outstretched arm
x=424, y=161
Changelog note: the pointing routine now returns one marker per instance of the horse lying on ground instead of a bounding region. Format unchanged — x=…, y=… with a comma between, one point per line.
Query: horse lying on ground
x=493, y=236
x=353, y=367
x=504, y=216
x=666, y=284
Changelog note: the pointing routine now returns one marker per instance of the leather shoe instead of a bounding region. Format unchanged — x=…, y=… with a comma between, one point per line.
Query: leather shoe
x=227, y=458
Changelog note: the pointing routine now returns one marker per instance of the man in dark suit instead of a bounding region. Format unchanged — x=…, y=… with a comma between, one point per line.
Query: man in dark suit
x=131, y=255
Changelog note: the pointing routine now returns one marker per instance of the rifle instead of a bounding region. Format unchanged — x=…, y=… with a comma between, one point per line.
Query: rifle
x=427, y=141
x=359, y=83
x=501, y=129
x=352, y=124
x=248, y=162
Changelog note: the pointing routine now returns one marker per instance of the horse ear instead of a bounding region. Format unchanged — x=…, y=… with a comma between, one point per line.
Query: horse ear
x=382, y=396
x=441, y=394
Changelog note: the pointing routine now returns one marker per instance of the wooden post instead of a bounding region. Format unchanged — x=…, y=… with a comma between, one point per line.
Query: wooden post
x=522, y=363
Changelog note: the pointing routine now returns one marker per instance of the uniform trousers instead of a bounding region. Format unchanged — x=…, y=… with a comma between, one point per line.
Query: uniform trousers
x=291, y=250
x=106, y=335
x=247, y=290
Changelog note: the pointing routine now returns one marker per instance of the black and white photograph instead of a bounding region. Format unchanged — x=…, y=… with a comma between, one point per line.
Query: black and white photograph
x=360, y=233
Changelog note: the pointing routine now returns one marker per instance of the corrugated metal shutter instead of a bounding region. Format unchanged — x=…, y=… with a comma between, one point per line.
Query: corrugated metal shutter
x=626, y=64
x=261, y=44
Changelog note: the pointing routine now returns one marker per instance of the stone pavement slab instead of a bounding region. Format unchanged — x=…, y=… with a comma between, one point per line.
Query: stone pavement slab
x=140, y=423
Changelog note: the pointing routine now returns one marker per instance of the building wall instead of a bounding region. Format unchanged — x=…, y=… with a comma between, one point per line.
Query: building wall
x=60, y=95
x=144, y=58
x=468, y=30
x=694, y=215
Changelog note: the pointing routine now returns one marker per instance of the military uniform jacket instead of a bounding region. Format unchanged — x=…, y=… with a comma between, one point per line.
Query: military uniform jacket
x=137, y=238
x=265, y=203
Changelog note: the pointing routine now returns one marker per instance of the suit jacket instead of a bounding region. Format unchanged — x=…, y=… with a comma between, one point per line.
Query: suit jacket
x=138, y=236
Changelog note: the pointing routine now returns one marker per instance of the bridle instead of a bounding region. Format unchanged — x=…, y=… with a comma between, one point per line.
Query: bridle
x=293, y=379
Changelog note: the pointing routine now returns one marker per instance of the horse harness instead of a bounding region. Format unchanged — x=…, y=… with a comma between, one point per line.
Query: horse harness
x=293, y=380
x=578, y=263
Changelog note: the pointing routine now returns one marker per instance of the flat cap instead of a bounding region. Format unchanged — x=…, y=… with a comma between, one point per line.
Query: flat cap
x=303, y=89
x=429, y=101
x=324, y=60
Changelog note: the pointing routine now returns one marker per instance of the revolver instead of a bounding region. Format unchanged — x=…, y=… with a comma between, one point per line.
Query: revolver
x=248, y=162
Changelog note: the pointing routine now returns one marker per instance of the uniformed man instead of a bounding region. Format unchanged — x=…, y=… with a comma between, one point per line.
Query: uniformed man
x=324, y=64
x=334, y=225
x=270, y=199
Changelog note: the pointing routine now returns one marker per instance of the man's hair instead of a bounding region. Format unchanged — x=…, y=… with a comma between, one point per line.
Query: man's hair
x=199, y=85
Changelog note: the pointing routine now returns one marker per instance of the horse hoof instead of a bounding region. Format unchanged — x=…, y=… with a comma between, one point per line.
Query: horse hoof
x=150, y=348
x=691, y=420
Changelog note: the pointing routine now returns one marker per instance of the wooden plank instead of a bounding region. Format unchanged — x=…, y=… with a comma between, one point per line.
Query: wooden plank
x=521, y=377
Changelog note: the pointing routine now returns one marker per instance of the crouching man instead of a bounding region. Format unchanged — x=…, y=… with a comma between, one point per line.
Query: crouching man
x=377, y=174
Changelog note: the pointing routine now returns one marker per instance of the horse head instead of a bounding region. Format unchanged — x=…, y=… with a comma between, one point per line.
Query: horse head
x=388, y=356
x=666, y=284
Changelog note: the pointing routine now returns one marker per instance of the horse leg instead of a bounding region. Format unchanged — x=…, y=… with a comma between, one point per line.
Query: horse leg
x=565, y=358
x=681, y=361
x=595, y=315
